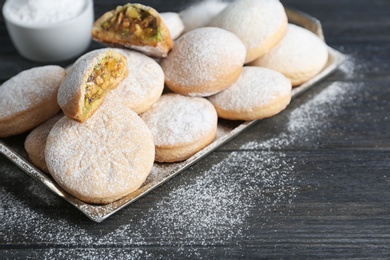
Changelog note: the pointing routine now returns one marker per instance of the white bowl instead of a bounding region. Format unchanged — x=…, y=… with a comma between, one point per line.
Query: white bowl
x=51, y=42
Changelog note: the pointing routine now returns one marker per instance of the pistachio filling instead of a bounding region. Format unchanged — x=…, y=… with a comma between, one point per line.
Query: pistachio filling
x=103, y=77
x=134, y=23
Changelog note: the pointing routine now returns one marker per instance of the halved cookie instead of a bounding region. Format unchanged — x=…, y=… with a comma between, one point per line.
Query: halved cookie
x=134, y=26
x=89, y=80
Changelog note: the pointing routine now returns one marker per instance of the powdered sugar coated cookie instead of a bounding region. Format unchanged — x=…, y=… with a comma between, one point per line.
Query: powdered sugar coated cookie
x=258, y=93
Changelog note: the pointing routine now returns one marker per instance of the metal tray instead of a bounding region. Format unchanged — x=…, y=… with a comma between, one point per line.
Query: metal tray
x=13, y=147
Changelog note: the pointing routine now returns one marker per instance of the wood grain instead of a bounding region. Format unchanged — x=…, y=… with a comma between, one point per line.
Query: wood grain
x=321, y=171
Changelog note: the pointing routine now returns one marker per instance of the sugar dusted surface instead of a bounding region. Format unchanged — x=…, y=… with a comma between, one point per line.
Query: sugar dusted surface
x=300, y=54
x=203, y=57
x=35, y=142
x=110, y=154
x=178, y=120
x=254, y=22
x=29, y=88
x=256, y=87
x=144, y=81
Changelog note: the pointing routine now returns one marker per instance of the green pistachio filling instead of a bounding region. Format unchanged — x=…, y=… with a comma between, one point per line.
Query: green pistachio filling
x=103, y=77
x=133, y=23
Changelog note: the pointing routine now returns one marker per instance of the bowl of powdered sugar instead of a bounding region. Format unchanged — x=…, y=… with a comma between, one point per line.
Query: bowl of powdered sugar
x=49, y=30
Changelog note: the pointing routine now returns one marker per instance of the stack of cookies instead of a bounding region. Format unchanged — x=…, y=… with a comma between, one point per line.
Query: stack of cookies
x=156, y=92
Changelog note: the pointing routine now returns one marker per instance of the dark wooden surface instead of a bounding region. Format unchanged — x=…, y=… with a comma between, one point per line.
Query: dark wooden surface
x=311, y=182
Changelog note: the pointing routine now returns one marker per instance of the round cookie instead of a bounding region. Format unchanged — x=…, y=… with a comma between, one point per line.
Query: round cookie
x=103, y=159
x=143, y=84
x=201, y=14
x=35, y=142
x=29, y=98
x=203, y=62
x=181, y=126
x=260, y=24
x=299, y=56
x=258, y=93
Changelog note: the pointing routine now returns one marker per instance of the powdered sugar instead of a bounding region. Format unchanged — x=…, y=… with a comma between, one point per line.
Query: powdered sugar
x=44, y=11
x=143, y=84
x=299, y=56
x=29, y=89
x=103, y=159
x=256, y=23
x=217, y=203
x=177, y=120
x=311, y=116
x=256, y=88
x=202, y=60
x=243, y=185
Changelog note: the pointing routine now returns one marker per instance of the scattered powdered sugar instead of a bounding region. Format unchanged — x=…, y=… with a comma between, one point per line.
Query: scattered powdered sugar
x=44, y=11
x=326, y=104
x=209, y=208
x=312, y=116
x=351, y=66
x=216, y=204
x=22, y=221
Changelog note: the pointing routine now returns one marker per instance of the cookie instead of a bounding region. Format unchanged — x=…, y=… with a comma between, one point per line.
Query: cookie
x=134, y=26
x=174, y=24
x=143, y=84
x=29, y=98
x=299, y=56
x=200, y=14
x=181, y=126
x=203, y=62
x=35, y=142
x=103, y=159
x=257, y=94
x=260, y=24
x=88, y=81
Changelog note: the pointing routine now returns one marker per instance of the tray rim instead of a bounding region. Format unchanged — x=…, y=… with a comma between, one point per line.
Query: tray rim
x=98, y=213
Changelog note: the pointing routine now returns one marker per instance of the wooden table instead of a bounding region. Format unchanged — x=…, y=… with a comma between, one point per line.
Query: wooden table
x=311, y=182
